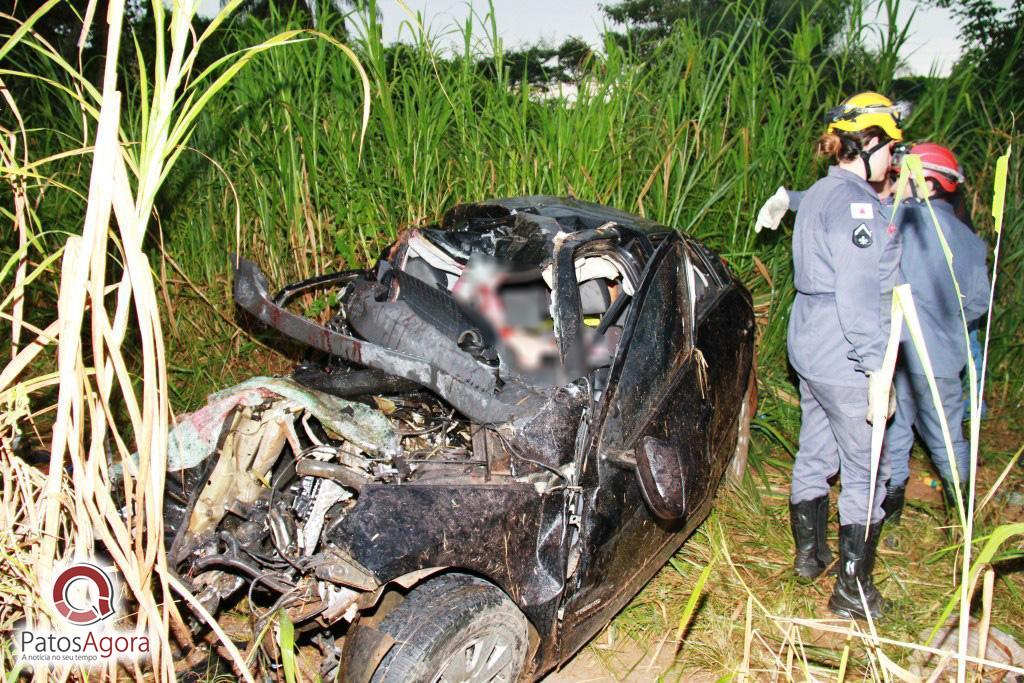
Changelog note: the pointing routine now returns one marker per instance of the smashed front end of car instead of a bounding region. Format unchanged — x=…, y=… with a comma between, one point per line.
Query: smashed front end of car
x=319, y=505
x=435, y=426
x=517, y=415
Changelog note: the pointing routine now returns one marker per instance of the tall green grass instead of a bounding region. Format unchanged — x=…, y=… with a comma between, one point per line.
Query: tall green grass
x=695, y=136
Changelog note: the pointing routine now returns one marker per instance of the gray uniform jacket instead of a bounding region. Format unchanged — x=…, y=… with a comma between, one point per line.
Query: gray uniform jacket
x=923, y=266
x=846, y=253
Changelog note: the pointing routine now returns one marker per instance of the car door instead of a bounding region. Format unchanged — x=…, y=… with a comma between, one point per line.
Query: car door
x=655, y=396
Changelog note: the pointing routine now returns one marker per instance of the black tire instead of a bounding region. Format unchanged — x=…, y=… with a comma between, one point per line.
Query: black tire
x=453, y=616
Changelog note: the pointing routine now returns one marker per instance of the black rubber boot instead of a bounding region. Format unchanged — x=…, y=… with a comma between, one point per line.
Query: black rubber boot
x=893, y=503
x=856, y=563
x=809, y=521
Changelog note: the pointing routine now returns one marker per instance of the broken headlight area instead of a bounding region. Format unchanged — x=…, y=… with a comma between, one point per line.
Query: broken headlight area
x=260, y=476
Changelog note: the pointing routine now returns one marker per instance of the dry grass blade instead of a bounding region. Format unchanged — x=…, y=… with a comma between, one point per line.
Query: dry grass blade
x=94, y=379
x=748, y=638
x=1000, y=479
x=880, y=402
x=986, y=617
x=236, y=657
x=856, y=633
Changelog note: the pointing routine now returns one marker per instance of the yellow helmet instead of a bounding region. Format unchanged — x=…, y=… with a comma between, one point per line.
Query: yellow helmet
x=867, y=109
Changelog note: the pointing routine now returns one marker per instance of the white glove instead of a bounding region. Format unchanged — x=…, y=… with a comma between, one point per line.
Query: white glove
x=880, y=394
x=772, y=211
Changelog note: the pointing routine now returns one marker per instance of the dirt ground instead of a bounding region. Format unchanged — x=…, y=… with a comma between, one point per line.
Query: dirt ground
x=622, y=662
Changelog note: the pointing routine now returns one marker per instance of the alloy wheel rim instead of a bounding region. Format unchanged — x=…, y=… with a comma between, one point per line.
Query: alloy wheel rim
x=484, y=659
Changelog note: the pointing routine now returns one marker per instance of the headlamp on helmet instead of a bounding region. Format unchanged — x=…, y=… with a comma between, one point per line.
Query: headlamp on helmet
x=899, y=150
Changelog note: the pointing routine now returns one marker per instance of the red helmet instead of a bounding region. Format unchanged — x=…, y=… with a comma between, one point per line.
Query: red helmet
x=939, y=164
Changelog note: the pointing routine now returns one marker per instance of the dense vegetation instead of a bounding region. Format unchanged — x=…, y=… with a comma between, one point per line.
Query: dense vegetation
x=693, y=123
x=695, y=134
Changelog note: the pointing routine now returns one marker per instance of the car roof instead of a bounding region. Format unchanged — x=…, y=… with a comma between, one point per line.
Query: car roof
x=562, y=209
x=520, y=231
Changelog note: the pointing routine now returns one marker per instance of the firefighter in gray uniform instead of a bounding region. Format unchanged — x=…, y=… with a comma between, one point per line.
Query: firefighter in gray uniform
x=923, y=266
x=846, y=253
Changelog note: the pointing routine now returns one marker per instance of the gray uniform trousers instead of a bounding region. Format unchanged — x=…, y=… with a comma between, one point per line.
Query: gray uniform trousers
x=835, y=436
x=915, y=409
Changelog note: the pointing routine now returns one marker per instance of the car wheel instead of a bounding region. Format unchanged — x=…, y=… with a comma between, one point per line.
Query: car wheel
x=738, y=464
x=452, y=629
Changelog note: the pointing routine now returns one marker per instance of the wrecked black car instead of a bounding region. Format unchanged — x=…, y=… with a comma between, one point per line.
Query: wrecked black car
x=501, y=432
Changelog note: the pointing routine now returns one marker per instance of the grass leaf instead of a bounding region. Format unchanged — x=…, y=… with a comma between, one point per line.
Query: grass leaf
x=286, y=641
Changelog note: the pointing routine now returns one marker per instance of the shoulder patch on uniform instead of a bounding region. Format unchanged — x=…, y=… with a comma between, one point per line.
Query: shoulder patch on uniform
x=862, y=236
x=861, y=210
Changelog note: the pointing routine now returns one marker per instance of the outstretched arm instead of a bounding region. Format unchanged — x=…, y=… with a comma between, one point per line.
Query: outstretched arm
x=772, y=211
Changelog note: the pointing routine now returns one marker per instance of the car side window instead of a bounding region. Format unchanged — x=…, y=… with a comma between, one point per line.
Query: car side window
x=660, y=341
x=709, y=277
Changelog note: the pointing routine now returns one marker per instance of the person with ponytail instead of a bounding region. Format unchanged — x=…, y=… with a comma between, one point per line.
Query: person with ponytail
x=846, y=254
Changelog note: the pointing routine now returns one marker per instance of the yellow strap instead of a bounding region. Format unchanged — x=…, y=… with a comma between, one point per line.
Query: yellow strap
x=900, y=190
x=999, y=189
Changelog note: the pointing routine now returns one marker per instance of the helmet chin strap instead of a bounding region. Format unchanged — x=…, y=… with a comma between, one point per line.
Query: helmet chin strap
x=865, y=156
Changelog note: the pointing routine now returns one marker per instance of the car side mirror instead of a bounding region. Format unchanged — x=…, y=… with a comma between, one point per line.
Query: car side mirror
x=659, y=469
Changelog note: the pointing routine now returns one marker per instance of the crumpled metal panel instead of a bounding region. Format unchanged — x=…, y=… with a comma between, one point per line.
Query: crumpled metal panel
x=572, y=214
x=396, y=326
x=506, y=532
x=548, y=435
x=468, y=395
x=196, y=435
x=353, y=422
x=518, y=241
